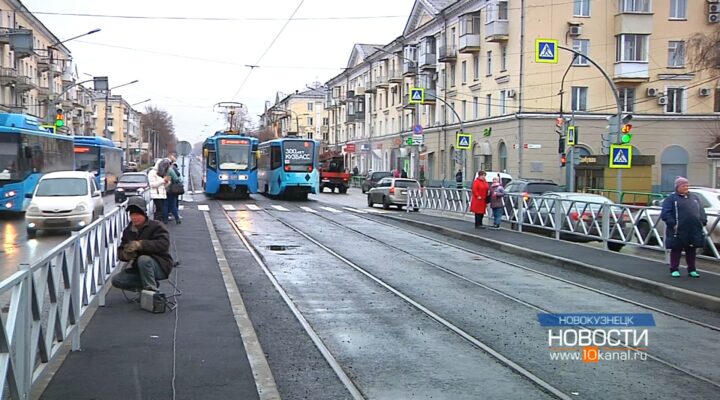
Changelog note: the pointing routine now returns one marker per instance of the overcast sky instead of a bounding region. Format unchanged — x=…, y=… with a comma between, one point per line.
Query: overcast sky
x=186, y=64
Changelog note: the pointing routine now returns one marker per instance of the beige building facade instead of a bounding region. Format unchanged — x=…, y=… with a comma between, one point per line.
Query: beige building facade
x=478, y=58
x=299, y=113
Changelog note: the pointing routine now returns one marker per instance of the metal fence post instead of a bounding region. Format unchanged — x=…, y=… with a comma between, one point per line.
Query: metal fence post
x=558, y=217
x=521, y=212
x=605, y=210
x=22, y=333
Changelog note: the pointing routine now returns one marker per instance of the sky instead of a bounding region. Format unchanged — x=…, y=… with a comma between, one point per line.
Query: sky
x=190, y=55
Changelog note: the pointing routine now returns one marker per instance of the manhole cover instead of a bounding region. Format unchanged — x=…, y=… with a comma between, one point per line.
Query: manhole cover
x=280, y=247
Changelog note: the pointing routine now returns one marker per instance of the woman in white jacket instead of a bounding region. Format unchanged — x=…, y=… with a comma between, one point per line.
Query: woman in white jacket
x=158, y=192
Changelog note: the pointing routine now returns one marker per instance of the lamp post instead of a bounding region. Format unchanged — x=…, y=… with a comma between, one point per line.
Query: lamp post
x=129, y=124
x=107, y=95
x=51, y=74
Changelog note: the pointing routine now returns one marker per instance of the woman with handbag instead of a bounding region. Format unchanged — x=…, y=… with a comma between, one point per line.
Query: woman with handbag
x=175, y=189
x=158, y=193
x=684, y=218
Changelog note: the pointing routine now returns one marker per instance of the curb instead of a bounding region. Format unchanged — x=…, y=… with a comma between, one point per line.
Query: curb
x=700, y=300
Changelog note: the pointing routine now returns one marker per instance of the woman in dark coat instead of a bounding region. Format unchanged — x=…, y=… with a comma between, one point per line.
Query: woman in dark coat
x=684, y=219
x=478, y=203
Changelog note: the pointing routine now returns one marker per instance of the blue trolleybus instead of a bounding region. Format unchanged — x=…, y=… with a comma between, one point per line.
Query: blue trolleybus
x=230, y=165
x=100, y=156
x=27, y=151
x=289, y=167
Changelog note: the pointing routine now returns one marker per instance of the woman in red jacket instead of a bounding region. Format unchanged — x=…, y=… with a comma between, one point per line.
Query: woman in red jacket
x=478, y=203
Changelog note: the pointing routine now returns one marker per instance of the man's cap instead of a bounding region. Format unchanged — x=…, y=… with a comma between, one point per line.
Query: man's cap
x=136, y=204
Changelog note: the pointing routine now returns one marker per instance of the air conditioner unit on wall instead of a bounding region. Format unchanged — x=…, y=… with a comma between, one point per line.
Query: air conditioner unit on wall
x=511, y=93
x=714, y=18
x=714, y=8
x=652, y=92
x=705, y=91
x=575, y=30
x=662, y=100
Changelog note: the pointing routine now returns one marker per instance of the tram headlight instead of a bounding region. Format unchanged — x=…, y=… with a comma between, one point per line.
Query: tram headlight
x=9, y=204
x=242, y=177
x=10, y=193
x=223, y=177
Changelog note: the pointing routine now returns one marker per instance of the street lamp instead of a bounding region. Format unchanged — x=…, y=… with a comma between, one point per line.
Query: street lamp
x=51, y=74
x=107, y=95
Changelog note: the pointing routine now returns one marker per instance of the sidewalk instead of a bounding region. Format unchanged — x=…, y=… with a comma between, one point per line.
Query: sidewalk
x=127, y=353
x=640, y=273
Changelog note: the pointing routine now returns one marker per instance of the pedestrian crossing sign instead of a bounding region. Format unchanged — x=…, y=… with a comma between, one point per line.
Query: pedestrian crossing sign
x=620, y=156
x=463, y=141
x=546, y=51
x=417, y=95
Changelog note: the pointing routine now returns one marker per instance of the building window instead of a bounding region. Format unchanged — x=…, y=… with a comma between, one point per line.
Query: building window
x=676, y=54
x=678, y=9
x=581, y=46
x=676, y=100
x=503, y=99
x=627, y=99
x=476, y=67
x=464, y=72
x=502, y=10
x=582, y=8
x=464, y=110
x=110, y=122
x=109, y=110
x=503, y=58
x=452, y=75
x=632, y=48
x=309, y=121
x=579, y=98
x=488, y=71
x=476, y=106
x=452, y=113
x=310, y=106
x=635, y=6
x=488, y=105
x=717, y=101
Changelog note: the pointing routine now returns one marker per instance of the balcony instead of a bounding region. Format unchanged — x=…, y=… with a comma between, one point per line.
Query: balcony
x=329, y=104
x=409, y=69
x=381, y=81
x=395, y=77
x=5, y=35
x=43, y=93
x=350, y=118
x=631, y=71
x=428, y=60
x=470, y=43
x=360, y=91
x=371, y=87
x=633, y=24
x=24, y=83
x=43, y=63
x=497, y=31
x=447, y=53
x=8, y=76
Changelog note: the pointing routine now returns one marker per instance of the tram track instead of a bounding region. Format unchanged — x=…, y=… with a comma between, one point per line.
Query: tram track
x=459, y=331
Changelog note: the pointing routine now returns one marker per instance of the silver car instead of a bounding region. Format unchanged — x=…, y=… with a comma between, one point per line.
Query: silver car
x=391, y=191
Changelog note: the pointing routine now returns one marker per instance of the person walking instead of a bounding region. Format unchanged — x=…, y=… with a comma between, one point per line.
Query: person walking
x=158, y=180
x=684, y=219
x=478, y=203
x=497, y=192
x=459, y=179
x=171, y=204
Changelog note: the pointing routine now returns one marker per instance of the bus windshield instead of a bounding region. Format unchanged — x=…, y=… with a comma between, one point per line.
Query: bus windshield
x=298, y=152
x=234, y=154
x=87, y=159
x=9, y=150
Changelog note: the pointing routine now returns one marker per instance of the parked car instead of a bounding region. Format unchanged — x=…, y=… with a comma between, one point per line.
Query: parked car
x=64, y=200
x=391, y=191
x=581, y=217
x=373, y=178
x=710, y=199
x=131, y=184
x=527, y=188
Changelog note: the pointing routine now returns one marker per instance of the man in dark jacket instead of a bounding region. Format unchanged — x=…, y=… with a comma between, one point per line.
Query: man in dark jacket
x=145, y=245
x=684, y=218
x=459, y=179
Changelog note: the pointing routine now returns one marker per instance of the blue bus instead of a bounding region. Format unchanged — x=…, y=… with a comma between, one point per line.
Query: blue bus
x=289, y=167
x=27, y=151
x=230, y=165
x=100, y=156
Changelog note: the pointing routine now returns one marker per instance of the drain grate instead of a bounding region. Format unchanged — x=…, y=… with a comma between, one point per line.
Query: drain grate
x=280, y=247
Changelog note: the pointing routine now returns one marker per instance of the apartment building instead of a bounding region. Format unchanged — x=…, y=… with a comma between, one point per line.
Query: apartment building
x=299, y=113
x=476, y=62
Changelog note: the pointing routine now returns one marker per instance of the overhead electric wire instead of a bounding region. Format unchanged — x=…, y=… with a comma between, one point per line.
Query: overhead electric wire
x=214, y=19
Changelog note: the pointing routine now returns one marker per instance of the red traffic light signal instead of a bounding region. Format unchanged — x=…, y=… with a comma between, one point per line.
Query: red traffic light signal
x=563, y=160
x=626, y=128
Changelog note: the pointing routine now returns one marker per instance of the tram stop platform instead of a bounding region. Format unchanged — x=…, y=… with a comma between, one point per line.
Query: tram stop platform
x=631, y=270
x=195, y=351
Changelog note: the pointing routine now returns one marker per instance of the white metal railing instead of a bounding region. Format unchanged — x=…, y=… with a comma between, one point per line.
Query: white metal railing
x=575, y=219
x=48, y=298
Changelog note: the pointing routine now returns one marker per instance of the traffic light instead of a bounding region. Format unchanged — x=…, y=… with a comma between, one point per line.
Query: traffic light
x=626, y=136
x=563, y=160
x=59, y=118
x=561, y=144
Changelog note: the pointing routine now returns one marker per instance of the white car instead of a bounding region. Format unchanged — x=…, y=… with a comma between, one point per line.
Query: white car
x=65, y=200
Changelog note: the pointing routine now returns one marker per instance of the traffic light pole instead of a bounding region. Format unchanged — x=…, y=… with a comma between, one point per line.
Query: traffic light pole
x=616, y=127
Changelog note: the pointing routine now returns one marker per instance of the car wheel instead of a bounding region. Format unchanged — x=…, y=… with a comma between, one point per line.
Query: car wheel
x=370, y=202
x=615, y=246
x=386, y=203
x=31, y=233
x=343, y=190
x=644, y=229
x=363, y=189
x=416, y=209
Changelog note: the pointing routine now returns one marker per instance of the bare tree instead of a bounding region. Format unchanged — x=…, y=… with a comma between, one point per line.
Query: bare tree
x=158, y=123
x=704, y=51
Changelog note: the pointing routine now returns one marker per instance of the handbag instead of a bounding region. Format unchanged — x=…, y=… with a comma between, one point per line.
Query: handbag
x=176, y=189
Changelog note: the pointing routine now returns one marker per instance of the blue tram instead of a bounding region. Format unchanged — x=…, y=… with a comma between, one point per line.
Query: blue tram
x=289, y=167
x=99, y=156
x=230, y=165
x=27, y=151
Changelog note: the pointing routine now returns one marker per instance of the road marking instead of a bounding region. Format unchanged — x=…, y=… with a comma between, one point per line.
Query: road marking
x=198, y=191
x=376, y=211
x=203, y=207
x=264, y=380
x=181, y=207
x=253, y=207
x=228, y=207
x=331, y=210
x=355, y=210
x=308, y=209
x=279, y=208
